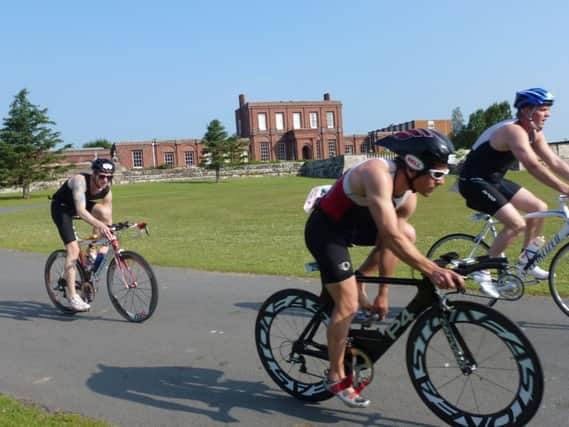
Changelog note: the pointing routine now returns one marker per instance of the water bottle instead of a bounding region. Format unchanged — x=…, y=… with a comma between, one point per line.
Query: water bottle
x=532, y=249
x=98, y=261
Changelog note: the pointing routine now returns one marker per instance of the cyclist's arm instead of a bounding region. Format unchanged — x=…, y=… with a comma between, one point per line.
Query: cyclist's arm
x=78, y=187
x=517, y=141
x=544, y=151
x=378, y=186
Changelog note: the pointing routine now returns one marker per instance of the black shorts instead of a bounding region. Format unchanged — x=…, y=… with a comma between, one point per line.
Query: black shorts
x=62, y=216
x=328, y=241
x=487, y=196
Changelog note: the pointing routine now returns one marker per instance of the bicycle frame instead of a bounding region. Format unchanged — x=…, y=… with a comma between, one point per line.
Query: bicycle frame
x=112, y=252
x=562, y=234
x=376, y=342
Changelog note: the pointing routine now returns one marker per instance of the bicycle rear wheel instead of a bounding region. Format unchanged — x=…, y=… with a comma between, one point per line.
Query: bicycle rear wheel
x=559, y=279
x=280, y=322
x=55, y=282
x=132, y=287
x=504, y=388
x=465, y=246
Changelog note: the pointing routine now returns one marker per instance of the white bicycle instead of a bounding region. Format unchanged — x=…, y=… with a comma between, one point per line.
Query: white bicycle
x=510, y=283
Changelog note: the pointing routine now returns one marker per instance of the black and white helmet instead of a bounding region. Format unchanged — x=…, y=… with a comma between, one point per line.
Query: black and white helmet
x=419, y=148
x=103, y=165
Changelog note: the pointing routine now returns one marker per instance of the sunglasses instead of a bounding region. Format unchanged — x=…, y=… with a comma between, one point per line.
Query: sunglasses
x=109, y=177
x=438, y=174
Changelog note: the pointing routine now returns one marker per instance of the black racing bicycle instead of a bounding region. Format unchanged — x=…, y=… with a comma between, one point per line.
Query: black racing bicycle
x=470, y=365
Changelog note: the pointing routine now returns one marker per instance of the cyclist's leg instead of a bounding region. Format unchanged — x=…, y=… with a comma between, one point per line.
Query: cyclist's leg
x=63, y=220
x=513, y=223
x=493, y=198
x=326, y=241
x=526, y=201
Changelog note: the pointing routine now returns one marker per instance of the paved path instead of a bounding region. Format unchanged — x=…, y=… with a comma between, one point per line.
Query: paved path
x=194, y=363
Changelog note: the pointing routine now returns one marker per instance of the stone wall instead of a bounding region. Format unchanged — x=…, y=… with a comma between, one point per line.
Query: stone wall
x=125, y=176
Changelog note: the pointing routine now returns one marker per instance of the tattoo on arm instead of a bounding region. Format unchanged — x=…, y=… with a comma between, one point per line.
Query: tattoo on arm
x=78, y=187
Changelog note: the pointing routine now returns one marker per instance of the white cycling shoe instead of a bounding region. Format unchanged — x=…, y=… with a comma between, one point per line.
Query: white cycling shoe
x=537, y=272
x=77, y=304
x=484, y=280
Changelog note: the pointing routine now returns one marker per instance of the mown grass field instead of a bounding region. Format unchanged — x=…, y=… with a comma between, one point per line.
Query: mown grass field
x=253, y=225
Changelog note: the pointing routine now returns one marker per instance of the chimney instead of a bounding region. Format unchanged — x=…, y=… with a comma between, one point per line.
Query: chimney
x=241, y=100
x=326, y=96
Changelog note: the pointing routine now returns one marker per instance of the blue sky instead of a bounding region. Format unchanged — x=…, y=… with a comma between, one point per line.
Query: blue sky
x=136, y=70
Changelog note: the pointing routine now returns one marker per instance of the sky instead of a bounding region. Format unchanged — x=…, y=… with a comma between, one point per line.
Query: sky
x=131, y=70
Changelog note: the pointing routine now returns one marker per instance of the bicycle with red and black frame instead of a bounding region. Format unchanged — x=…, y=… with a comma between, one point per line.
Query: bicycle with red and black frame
x=131, y=283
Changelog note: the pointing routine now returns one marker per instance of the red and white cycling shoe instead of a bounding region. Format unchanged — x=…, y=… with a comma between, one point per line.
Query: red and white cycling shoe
x=344, y=390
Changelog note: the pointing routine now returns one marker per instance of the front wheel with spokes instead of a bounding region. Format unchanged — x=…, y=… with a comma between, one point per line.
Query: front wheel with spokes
x=290, y=335
x=132, y=286
x=559, y=279
x=481, y=371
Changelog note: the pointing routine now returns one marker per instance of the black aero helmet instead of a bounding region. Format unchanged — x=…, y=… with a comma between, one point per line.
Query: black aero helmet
x=419, y=148
x=103, y=165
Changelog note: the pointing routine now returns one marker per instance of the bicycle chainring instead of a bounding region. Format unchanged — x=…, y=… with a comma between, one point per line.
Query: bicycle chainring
x=361, y=367
x=510, y=287
x=87, y=292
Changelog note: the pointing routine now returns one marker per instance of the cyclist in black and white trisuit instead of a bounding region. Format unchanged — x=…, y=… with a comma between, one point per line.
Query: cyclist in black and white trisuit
x=485, y=189
x=76, y=197
x=370, y=205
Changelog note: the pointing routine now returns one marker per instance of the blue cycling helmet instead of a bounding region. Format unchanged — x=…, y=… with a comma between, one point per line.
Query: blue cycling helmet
x=419, y=148
x=534, y=96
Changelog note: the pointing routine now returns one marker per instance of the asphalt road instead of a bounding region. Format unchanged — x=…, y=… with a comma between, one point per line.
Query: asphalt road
x=194, y=363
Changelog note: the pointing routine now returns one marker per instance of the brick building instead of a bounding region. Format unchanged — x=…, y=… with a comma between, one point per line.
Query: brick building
x=276, y=130
x=291, y=130
x=153, y=154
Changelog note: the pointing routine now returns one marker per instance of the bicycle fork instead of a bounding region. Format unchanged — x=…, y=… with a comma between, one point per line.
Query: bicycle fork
x=458, y=346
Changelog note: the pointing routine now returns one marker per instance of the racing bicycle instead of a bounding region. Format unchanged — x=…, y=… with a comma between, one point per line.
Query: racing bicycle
x=511, y=283
x=131, y=283
x=470, y=364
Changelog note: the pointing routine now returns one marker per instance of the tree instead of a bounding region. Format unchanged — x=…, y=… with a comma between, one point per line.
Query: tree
x=218, y=148
x=479, y=121
x=27, y=145
x=457, y=120
x=98, y=143
x=236, y=149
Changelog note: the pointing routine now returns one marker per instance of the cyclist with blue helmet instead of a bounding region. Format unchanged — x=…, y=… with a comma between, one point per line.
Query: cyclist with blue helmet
x=485, y=189
x=77, y=197
x=369, y=205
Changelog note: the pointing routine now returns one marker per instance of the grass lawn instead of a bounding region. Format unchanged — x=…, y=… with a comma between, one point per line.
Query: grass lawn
x=14, y=413
x=252, y=225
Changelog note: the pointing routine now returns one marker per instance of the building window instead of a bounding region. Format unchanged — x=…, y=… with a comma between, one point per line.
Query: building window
x=279, y=121
x=137, y=159
x=296, y=122
x=281, y=151
x=189, y=158
x=364, y=147
x=313, y=120
x=330, y=120
x=169, y=158
x=349, y=149
x=431, y=124
x=265, y=152
x=332, y=148
x=318, y=150
x=262, y=119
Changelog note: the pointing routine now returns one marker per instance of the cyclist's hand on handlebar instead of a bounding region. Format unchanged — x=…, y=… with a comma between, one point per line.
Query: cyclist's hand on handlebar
x=104, y=230
x=443, y=278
